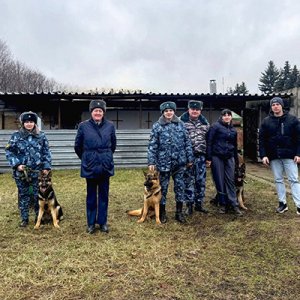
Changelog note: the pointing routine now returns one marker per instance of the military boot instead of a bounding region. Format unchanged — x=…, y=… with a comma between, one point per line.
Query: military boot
x=189, y=209
x=199, y=207
x=162, y=213
x=179, y=216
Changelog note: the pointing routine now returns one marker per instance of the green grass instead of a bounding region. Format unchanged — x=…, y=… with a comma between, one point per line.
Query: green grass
x=212, y=257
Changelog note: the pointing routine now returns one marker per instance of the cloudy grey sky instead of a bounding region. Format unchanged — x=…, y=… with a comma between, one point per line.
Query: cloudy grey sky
x=152, y=45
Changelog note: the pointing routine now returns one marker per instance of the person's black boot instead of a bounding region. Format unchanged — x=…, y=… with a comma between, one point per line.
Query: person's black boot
x=237, y=211
x=200, y=208
x=189, y=209
x=24, y=223
x=179, y=216
x=222, y=209
x=162, y=213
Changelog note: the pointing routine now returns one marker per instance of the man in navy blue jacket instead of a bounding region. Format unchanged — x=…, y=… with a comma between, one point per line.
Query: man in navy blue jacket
x=95, y=144
x=279, y=147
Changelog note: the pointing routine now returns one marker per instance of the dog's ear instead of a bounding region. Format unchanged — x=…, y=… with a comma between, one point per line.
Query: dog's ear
x=145, y=173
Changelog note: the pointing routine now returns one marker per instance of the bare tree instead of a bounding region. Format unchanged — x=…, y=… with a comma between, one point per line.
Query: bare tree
x=15, y=76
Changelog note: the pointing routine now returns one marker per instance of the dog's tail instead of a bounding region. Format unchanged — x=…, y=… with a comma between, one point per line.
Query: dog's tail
x=136, y=212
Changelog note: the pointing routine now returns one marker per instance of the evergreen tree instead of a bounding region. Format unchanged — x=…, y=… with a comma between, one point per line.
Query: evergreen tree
x=294, y=76
x=230, y=90
x=243, y=88
x=239, y=89
x=268, y=78
x=283, y=81
x=297, y=84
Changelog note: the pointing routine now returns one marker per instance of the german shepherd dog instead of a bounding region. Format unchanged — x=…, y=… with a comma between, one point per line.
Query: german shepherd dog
x=240, y=174
x=49, y=206
x=152, y=197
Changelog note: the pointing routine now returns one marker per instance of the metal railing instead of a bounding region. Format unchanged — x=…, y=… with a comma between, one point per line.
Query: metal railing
x=131, y=148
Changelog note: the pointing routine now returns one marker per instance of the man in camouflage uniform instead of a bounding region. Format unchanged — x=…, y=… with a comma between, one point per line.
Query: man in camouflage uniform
x=195, y=177
x=170, y=151
x=28, y=152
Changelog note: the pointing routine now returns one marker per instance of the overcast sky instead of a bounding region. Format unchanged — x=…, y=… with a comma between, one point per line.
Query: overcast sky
x=152, y=45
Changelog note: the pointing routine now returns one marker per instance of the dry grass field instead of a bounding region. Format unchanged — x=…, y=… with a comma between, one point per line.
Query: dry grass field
x=212, y=257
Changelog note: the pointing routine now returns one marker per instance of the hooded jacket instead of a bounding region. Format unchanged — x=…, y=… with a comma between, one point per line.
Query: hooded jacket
x=279, y=137
x=169, y=146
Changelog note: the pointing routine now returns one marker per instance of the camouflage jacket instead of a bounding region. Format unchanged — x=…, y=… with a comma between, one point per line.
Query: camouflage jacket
x=169, y=146
x=30, y=149
x=197, y=131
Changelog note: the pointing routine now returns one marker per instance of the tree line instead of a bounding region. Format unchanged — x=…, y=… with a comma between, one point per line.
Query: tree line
x=277, y=80
x=15, y=76
x=273, y=80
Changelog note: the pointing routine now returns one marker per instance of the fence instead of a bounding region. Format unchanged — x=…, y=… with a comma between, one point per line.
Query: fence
x=131, y=149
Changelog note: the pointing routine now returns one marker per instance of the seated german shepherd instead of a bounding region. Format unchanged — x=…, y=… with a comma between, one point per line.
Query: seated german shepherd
x=240, y=174
x=49, y=206
x=152, y=197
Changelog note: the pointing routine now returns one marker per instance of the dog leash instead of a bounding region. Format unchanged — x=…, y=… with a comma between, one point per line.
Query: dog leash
x=154, y=193
x=25, y=175
x=178, y=170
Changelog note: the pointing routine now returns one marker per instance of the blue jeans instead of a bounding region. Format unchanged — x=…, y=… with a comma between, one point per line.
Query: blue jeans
x=290, y=168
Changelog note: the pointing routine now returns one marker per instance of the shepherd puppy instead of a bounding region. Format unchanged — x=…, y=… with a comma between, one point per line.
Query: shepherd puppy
x=152, y=197
x=49, y=208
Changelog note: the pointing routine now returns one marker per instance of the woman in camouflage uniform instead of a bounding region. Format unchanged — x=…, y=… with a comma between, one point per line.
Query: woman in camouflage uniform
x=170, y=151
x=28, y=152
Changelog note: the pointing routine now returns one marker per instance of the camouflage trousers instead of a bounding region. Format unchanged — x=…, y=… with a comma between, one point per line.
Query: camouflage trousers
x=195, y=180
x=178, y=185
x=27, y=193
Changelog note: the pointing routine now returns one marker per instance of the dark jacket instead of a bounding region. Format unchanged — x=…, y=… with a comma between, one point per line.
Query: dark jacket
x=279, y=137
x=222, y=141
x=95, y=146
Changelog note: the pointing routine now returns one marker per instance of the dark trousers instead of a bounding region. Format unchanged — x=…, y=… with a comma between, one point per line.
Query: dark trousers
x=178, y=185
x=27, y=193
x=97, y=200
x=223, y=176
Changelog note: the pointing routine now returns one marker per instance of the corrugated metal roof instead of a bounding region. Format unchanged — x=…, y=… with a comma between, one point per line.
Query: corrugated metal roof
x=122, y=98
x=148, y=94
